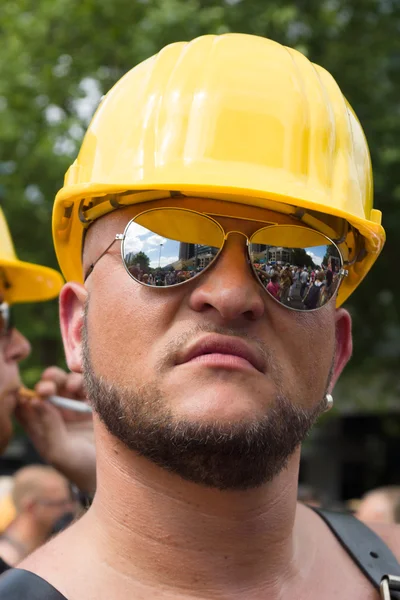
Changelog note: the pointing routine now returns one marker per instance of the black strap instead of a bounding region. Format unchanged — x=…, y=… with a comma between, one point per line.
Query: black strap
x=3, y=566
x=366, y=548
x=17, y=584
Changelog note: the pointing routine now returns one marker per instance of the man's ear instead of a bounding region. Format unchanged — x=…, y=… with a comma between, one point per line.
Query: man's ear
x=72, y=306
x=344, y=344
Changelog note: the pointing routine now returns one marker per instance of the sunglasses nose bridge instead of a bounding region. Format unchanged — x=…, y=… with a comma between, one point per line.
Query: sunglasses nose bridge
x=228, y=233
x=247, y=252
x=243, y=235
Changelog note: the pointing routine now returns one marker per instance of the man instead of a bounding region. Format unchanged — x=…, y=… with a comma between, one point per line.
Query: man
x=19, y=282
x=41, y=497
x=273, y=286
x=304, y=281
x=62, y=439
x=203, y=391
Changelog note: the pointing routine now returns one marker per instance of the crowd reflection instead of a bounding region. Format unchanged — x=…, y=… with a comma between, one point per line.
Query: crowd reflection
x=302, y=288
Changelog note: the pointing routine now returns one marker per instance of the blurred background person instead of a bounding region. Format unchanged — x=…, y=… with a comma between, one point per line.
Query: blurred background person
x=61, y=437
x=19, y=282
x=41, y=496
x=381, y=505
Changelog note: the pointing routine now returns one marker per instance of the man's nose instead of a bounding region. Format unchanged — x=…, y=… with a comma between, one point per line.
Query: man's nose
x=229, y=286
x=18, y=347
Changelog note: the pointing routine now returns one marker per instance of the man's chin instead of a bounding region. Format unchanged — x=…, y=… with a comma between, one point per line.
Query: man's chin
x=220, y=402
x=222, y=434
x=222, y=411
x=233, y=452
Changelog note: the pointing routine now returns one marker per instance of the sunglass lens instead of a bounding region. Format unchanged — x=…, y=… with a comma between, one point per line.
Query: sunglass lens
x=166, y=247
x=298, y=267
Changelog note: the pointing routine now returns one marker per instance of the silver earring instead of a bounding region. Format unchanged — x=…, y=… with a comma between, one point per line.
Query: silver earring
x=329, y=402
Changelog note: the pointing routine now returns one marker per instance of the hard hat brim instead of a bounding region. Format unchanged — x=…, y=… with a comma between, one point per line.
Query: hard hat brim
x=26, y=282
x=68, y=232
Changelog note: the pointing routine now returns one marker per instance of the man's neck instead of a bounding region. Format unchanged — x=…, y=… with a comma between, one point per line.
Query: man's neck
x=156, y=528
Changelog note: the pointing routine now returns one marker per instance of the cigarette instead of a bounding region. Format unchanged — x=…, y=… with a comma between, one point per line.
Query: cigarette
x=70, y=404
x=59, y=401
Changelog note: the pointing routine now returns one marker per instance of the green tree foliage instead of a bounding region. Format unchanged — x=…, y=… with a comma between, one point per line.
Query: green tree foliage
x=301, y=258
x=141, y=259
x=59, y=56
x=331, y=256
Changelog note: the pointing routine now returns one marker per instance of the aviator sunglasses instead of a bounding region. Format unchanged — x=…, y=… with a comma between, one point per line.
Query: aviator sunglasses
x=296, y=266
x=6, y=320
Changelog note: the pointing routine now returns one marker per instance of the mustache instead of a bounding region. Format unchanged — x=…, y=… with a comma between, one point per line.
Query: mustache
x=178, y=343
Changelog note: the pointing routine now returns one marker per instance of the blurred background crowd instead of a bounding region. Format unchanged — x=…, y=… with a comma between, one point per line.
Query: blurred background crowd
x=58, y=58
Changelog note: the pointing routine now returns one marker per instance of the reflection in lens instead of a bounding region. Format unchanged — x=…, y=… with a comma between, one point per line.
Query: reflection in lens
x=169, y=246
x=298, y=267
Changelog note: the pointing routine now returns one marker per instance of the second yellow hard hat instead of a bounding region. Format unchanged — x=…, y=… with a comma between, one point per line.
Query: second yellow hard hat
x=23, y=281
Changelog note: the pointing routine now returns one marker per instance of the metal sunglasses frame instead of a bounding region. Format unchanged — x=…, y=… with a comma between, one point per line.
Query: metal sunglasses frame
x=122, y=236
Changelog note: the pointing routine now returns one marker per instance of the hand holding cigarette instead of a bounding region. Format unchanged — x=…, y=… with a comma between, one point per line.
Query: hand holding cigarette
x=63, y=438
x=59, y=401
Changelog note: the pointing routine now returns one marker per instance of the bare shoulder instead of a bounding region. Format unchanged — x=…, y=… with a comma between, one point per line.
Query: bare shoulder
x=55, y=561
x=39, y=561
x=390, y=534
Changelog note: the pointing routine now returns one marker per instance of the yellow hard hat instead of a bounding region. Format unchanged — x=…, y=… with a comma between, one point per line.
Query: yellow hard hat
x=22, y=281
x=237, y=118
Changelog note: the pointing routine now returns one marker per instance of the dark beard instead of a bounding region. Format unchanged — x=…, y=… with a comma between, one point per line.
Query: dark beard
x=229, y=456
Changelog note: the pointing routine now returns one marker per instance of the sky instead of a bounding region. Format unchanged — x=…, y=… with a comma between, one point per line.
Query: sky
x=140, y=239
x=317, y=254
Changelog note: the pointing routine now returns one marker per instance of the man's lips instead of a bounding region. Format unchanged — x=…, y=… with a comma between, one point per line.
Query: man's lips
x=218, y=345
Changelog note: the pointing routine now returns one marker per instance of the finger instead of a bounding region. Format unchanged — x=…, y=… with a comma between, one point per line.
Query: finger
x=23, y=400
x=56, y=375
x=45, y=427
x=40, y=418
x=30, y=418
x=46, y=388
x=22, y=413
x=50, y=417
x=53, y=415
x=74, y=386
